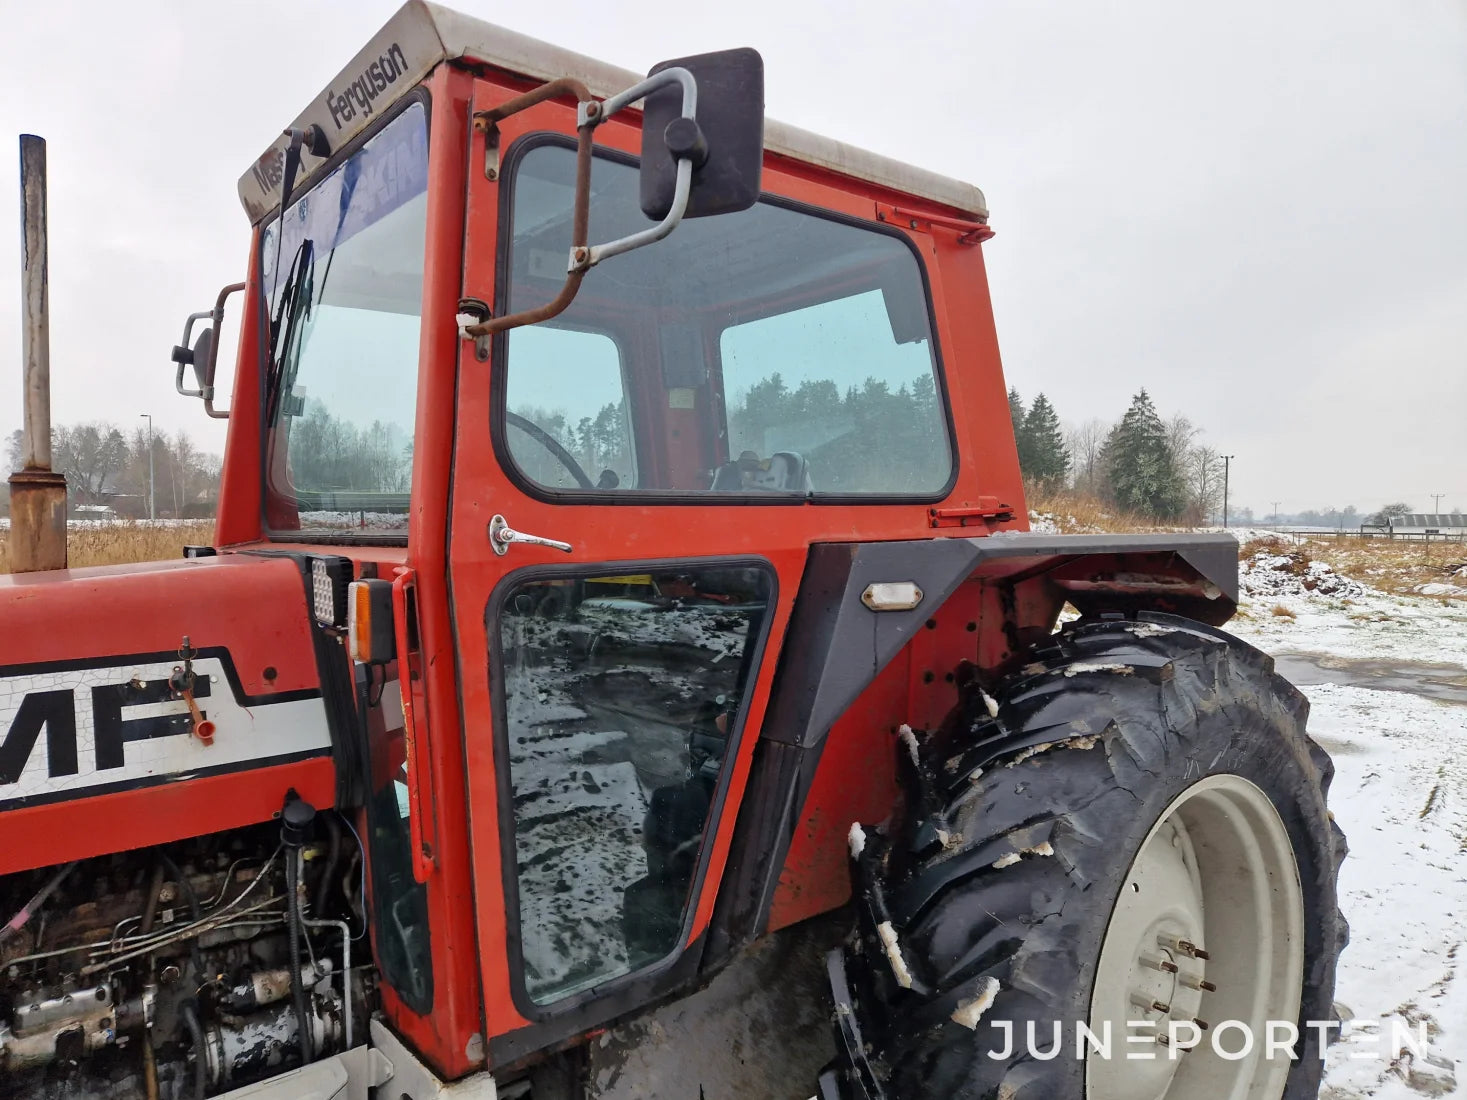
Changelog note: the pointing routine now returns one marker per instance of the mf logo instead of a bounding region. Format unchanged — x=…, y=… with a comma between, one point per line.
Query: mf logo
x=120, y=713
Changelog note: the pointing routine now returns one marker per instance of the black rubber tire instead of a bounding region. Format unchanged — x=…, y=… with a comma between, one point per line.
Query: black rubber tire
x=1091, y=742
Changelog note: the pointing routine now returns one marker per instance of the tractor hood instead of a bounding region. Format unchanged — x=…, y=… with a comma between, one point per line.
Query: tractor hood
x=99, y=748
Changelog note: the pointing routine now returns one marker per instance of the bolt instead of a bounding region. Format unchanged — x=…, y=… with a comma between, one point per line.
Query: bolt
x=1183, y=947
x=582, y=255
x=592, y=108
x=1166, y=966
x=101, y=993
x=167, y=892
x=1203, y=1024
x=170, y=974
x=1197, y=983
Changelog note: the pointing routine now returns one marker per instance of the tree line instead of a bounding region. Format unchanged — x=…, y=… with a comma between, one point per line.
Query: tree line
x=105, y=466
x=1143, y=463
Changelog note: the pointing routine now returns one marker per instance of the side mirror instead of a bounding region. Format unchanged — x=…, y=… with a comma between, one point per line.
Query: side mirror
x=702, y=154
x=725, y=139
x=203, y=355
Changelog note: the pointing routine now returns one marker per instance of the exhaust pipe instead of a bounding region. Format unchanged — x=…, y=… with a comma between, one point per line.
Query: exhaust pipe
x=37, y=494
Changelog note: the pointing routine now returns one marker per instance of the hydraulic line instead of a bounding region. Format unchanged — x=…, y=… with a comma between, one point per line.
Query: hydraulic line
x=293, y=925
x=296, y=818
x=190, y=1015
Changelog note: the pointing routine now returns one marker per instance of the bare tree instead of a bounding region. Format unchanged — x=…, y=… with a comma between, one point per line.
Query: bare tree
x=1085, y=442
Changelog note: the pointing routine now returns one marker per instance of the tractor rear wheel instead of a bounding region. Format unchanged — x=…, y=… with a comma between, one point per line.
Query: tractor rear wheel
x=1133, y=837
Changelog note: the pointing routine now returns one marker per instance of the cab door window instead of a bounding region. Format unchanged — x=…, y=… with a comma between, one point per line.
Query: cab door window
x=622, y=694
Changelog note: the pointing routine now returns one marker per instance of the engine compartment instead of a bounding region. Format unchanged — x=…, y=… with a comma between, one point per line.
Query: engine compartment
x=186, y=970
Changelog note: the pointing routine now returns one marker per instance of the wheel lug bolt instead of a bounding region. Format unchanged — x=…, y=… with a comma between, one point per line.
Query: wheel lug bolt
x=1197, y=983
x=1183, y=947
x=1166, y=966
x=1203, y=1024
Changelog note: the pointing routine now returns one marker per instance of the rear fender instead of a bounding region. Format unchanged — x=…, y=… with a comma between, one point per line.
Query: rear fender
x=989, y=601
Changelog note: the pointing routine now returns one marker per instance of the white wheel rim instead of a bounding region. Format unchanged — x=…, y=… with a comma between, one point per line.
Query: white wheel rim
x=1212, y=899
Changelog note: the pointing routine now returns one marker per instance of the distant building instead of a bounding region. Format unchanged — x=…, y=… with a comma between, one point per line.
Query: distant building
x=1419, y=523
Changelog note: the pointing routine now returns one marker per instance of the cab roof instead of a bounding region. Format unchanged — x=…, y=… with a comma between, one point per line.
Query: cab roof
x=420, y=35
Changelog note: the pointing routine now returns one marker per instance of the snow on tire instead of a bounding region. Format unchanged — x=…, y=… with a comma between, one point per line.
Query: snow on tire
x=1127, y=752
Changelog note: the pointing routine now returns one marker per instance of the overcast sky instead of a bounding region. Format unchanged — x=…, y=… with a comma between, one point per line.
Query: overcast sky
x=1256, y=210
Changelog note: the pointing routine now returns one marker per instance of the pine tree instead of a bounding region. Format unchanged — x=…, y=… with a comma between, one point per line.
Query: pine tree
x=1048, y=457
x=1018, y=415
x=1140, y=465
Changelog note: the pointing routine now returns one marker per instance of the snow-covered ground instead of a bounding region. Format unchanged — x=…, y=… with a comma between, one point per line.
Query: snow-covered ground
x=1400, y=793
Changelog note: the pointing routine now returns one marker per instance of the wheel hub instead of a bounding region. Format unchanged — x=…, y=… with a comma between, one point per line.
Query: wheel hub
x=1208, y=927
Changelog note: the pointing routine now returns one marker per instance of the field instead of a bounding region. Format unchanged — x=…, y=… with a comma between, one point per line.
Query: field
x=119, y=543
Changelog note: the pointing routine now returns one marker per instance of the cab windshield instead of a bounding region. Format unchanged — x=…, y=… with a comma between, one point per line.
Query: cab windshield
x=345, y=287
x=775, y=352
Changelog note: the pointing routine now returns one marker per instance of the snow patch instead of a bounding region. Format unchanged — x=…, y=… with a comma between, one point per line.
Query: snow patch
x=910, y=740
x=1042, y=523
x=1150, y=630
x=1086, y=742
x=1081, y=667
x=990, y=702
x=894, y=954
x=969, y=1012
x=1438, y=589
x=856, y=838
x=1269, y=574
x=1044, y=849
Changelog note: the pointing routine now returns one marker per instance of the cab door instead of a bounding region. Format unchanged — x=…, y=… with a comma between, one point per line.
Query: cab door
x=607, y=689
x=663, y=454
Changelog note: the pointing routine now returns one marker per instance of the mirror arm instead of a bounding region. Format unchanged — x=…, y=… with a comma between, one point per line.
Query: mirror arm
x=589, y=114
x=598, y=113
x=218, y=320
x=486, y=122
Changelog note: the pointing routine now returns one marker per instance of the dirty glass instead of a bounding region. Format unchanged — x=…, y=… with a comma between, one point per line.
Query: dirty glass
x=621, y=694
x=346, y=295
x=768, y=351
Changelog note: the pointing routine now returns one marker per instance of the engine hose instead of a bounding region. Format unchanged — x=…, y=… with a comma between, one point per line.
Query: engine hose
x=297, y=984
x=195, y=1030
x=333, y=861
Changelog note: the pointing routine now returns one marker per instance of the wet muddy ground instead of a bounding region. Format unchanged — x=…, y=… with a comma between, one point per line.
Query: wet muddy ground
x=1443, y=682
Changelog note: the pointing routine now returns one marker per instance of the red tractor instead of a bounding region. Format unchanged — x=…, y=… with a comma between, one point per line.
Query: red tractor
x=622, y=667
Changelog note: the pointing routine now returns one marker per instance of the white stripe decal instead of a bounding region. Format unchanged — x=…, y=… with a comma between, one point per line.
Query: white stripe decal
x=75, y=729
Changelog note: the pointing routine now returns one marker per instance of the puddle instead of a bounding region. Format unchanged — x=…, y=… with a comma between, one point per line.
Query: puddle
x=1447, y=683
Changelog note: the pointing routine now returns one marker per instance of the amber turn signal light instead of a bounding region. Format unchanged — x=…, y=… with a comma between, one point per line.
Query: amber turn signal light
x=370, y=639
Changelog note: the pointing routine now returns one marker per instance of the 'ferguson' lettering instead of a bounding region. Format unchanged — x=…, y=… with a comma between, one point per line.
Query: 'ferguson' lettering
x=373, y=81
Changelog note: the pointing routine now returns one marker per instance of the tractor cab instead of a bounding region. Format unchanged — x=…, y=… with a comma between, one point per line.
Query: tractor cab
x=571, y=366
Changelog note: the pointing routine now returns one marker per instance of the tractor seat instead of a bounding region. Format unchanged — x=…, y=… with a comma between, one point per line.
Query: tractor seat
x=781, y=472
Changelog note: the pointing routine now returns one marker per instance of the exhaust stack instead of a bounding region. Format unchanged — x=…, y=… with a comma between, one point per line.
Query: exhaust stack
x=37, y=494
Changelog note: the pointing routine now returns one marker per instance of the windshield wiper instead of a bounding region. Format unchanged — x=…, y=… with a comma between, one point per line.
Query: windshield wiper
x=294, y=306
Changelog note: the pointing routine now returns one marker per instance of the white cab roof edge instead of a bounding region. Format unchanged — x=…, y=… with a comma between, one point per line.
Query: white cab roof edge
x=421, y=34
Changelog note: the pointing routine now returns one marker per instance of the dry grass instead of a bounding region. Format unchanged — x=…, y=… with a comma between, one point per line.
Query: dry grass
x=1078, y=514
x=123, y=543
x=1395, y=566
x=1279, y=611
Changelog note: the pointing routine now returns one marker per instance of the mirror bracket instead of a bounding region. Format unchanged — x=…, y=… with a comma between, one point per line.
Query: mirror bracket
x=186, y=355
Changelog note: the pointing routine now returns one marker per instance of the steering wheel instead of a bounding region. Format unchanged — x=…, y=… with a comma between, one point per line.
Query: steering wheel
x=551, y=444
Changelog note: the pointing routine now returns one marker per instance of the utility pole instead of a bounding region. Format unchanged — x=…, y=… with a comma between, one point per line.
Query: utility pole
x=1276, y=512
x=1227, y=462
x=1436, y=502
x=152, y=511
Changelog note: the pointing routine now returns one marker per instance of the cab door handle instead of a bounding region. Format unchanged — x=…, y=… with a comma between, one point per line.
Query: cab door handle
x=502, y=536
